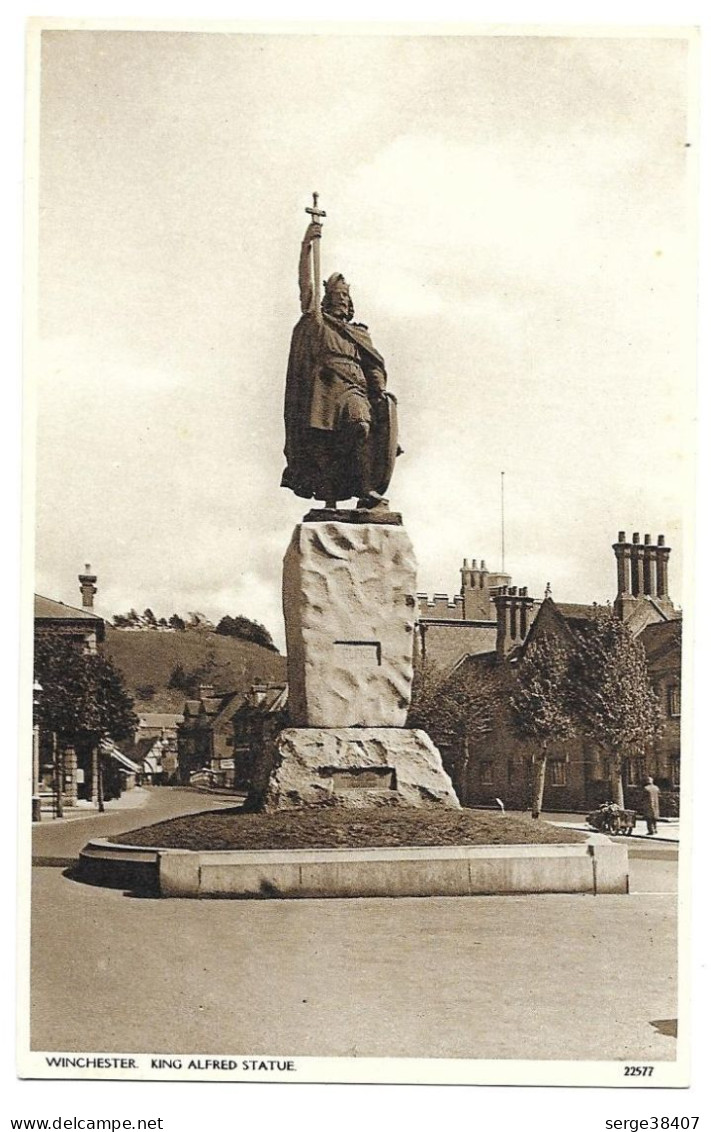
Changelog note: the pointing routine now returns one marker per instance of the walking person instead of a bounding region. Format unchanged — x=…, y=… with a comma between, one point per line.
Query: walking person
x=651, y=806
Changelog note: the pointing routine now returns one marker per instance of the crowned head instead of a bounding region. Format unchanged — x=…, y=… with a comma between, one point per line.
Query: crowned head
x=337, y=298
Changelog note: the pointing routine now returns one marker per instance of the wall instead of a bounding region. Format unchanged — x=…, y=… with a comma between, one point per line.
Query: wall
x=447, y=642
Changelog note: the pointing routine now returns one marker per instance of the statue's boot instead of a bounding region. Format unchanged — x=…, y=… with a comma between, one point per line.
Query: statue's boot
x=372, y=500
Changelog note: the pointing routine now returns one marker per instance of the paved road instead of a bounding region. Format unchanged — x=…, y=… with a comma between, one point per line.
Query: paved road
x=62, y=840
x=560, y=977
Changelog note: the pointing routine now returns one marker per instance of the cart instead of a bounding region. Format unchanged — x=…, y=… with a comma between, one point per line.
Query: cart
x=611, y=818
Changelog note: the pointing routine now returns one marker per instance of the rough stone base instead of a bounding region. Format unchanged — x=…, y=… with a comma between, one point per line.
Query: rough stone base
x=349, y=609
x=350, y=767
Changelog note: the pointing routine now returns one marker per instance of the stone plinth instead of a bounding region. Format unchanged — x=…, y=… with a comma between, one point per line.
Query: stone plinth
x=349, y=605
x=351, y=767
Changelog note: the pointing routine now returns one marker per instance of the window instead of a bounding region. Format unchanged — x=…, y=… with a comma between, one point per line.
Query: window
x=636, y=771
x=511, y=772
x=675, y=770
x=559, y=772
x=674, y=701
x=486, y=774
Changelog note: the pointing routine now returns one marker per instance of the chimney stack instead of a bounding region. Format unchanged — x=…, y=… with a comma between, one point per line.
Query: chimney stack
x=512, y=618
x=87, y=586
x=475, y=591
x=642, y=571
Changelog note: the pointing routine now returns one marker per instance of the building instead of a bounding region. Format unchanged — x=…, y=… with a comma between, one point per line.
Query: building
x=262, y=714
x=155, y=747
x=497, y=764
x=451, y=628
x=205, y=737
x=87, y=771
x=222, y=733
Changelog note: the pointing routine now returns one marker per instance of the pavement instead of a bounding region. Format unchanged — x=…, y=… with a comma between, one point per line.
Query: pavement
x=559, y=977
x=667, y=829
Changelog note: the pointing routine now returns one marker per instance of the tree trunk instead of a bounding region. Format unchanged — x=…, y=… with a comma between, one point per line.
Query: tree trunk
x=464, y=775
x=539, y=780
x=58, y=760
x=618, y=793
x=100, y=784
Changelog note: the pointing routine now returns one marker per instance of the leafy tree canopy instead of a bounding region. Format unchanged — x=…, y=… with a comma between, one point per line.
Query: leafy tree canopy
x=246, y=630
x=462, y=704
x=615, y=698
x=82, y=693
x=541, y=695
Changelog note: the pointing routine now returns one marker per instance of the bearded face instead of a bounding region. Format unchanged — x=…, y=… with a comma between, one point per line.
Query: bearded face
x=337, y=300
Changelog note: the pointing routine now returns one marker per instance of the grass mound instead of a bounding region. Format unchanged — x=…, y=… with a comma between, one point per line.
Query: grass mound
x=337, y=829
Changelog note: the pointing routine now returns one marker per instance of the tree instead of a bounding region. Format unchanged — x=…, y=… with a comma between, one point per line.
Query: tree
x=176, y=622
x=540, y=701
x=82, y=693
x=246, y=630
x=616, y=702
x=456, y=709
x=179, y=678
x=149, y=618
x=130, y=620
x=211, y=671
x=83, y=697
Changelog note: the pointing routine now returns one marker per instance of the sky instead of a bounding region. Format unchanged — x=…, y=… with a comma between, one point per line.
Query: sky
x=513, y=216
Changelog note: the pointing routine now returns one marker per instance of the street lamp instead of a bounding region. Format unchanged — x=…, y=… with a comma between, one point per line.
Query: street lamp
x=37, y=690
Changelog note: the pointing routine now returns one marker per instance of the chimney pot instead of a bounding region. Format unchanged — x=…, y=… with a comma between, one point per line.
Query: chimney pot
x=660, y=540
x=87, y=587
x=647, y=540
x=622, y=537
x=483, y=566
x=635, y=536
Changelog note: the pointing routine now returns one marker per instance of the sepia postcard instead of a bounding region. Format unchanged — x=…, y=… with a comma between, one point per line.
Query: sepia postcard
x=358, y=496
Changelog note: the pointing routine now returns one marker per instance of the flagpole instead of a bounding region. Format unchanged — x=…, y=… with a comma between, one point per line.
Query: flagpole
x=503, y=545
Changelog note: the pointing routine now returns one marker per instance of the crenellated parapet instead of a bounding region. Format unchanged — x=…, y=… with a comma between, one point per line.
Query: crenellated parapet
x=440, y=606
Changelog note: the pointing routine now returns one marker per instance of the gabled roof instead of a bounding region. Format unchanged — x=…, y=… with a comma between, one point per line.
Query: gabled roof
x=275, y=699
x=661, y=638
x=110, y=748
x=475, y=660
x=227, y=706
x=140, y=748
x=46, y=609
x=159, y=719
x=573, y=611
x=212, y=705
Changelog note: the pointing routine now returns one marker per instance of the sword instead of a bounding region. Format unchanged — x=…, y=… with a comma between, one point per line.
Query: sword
x=316, y=214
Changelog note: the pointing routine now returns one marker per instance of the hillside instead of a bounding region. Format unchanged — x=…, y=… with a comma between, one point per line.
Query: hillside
x=146, y=658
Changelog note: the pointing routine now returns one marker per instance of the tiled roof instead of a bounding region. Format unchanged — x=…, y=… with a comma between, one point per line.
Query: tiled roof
x=475, y=660
x=159, y=719
x=48, y=610
x=661, y=636
x=574, y=612
x=140, y=748
x=227, y=705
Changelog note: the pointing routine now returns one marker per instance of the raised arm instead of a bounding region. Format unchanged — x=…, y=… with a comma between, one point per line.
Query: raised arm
x=309, y=301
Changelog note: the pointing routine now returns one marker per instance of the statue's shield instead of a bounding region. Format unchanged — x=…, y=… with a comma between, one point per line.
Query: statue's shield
x=383, y=442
